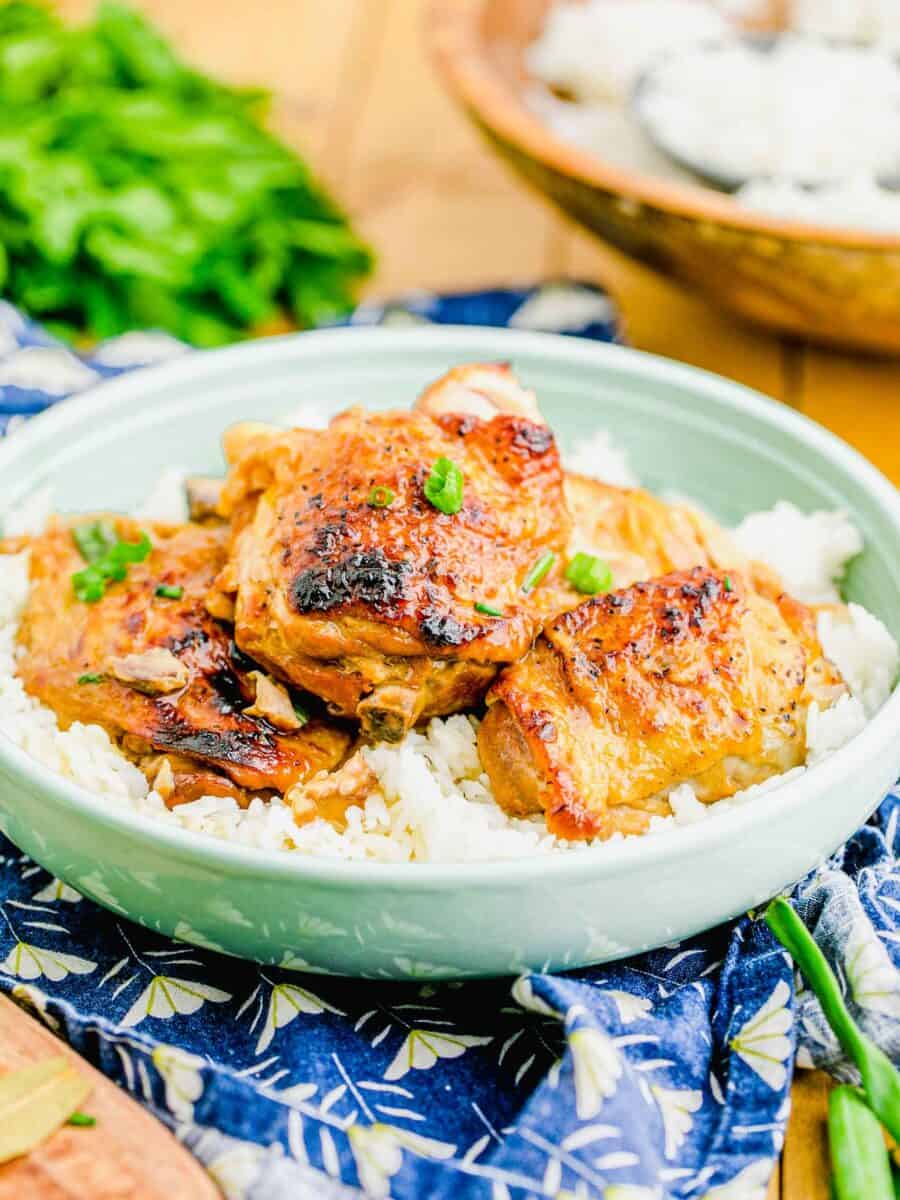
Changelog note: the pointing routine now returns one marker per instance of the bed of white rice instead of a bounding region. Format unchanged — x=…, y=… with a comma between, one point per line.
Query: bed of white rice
x=434, y=803
x=821, y=108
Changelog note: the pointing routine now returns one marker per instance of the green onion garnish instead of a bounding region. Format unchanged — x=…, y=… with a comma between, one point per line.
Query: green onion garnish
x=89, y=585
x=299, y=712
x=444, y=486
x=94, y=540
x=170, y=591
x=80, y=1118
x=488, y=610
x=589, y=574
x=380, y=497
x=132, y=552
x=538, y=571
x=107, y=558
x=728, y=587
x=90, y=677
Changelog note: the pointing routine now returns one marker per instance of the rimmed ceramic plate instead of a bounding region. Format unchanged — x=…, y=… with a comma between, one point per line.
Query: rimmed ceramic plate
x=729, y=448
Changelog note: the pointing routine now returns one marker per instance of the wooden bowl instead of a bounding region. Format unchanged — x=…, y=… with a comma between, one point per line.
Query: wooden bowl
x=829, y=285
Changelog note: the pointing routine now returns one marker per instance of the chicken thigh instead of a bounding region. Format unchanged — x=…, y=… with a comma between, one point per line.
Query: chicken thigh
x=689, y=678
x=354, y=575
x=149, y=664
x=641, y=536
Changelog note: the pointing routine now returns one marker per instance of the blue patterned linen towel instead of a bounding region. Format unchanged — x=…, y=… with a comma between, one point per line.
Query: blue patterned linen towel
x=665, y=1077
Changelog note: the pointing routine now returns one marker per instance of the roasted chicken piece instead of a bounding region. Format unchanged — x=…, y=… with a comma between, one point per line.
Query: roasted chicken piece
x=643, y=537
x=159, y=674
x=481, y=390
x=689, y=678
x=344, y=578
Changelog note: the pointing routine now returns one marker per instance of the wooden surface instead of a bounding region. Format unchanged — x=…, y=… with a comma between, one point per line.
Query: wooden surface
x=356, y=93
x=127, y=1155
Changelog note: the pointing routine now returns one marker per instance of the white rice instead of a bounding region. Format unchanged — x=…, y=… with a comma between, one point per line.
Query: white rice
x=809, y=551
x=805, y=110
x=855, y=203
x=434, y=802
x=812, y=111
x=597, y=50
x=599, y=457
x=871, y=21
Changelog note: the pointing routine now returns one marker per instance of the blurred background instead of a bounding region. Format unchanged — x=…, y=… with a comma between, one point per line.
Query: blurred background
x=368, y=95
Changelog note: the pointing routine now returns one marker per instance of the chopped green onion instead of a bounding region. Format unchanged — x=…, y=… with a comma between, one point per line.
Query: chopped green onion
x=881, y=1082
x=94, y=539
x=859, y=1157
x=132, y=552
x=444, y=486
x=90, y=677
x=380, y=497
x=81, y=1119
x=728, y=587
x=300, y=712
x=488, y=610
x=89, y=585
x=589, y=574
x=538, y=571
x=170, y=591
x=107, y=558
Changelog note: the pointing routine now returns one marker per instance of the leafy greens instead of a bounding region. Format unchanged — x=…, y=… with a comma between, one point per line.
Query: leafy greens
x=138, y=193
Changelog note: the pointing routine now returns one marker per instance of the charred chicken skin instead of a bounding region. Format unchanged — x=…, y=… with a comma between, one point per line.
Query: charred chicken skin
x=689, y=678
x=160, y=674
x=346, y=579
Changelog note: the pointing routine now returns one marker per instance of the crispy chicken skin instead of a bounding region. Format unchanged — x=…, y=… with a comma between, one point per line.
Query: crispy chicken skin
x=643, y=537
x=173, y=690
x=689, y=678
x=373, y=608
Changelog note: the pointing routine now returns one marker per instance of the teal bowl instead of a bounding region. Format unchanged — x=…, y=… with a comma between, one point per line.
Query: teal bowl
x=729, y=448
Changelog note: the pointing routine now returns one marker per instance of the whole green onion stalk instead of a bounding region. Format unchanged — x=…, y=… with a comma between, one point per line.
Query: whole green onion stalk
x=881, y=1082
x=859, y=1157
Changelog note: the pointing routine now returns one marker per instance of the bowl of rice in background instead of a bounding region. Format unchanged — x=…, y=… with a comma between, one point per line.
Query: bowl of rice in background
x=828, y=271
x=431, y=879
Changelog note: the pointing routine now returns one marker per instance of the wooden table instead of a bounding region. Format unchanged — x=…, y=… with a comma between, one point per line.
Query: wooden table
x=356, y=93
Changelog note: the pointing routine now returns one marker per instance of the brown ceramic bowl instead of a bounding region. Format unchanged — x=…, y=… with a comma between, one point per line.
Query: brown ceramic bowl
x=829, y=285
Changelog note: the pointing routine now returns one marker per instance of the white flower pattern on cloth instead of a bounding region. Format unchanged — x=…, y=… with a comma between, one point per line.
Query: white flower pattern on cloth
x=286, y=1002
x=631, y=1007
x=523, y=993
x=31, y=962
x=57, y=890
x=676, y=1106
x=165, y=997
x=873, y=979
x=184, y=1085
x=597, y=1069
x=378, y=1151
x=605, y=1084
x=423, y=1048
x=762, y=1041
x=752, y=1183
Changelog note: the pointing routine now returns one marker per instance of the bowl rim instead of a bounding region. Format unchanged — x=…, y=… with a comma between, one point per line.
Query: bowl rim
x=453, y=35
x=680, y=844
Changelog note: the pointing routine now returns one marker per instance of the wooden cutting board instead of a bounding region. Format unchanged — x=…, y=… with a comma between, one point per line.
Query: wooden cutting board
x=127, y=1155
